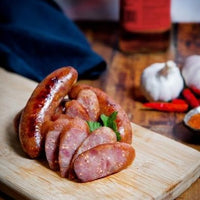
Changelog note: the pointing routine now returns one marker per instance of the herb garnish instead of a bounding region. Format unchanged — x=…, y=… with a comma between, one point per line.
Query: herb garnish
x=109, y=121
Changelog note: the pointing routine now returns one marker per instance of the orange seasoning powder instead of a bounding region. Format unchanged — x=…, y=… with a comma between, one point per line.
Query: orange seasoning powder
x=194, y=121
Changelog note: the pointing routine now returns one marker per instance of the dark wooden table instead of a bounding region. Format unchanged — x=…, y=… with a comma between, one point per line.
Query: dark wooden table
x=121, y=80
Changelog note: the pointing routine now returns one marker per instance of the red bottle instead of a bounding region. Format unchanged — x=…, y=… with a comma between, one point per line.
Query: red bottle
x=145, y=25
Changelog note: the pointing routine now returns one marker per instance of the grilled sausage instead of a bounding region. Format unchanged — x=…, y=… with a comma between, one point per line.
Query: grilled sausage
x=90, y=102
x=40, y=107
x=52, y=140
x=99, y=136
x=107, y=107
x=58, y=124
x=70, y=139
x=75, y=109
x=103, y=160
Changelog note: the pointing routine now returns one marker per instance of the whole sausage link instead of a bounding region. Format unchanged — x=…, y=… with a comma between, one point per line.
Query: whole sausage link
x=40, y=107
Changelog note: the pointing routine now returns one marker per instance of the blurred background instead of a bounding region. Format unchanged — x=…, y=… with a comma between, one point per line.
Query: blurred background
x=109, y=10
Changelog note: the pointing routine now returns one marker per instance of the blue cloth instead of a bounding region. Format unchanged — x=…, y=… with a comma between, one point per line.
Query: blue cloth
x=36, y=37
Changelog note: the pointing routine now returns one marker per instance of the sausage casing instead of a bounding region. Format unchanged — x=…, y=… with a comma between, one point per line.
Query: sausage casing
x=40, y=107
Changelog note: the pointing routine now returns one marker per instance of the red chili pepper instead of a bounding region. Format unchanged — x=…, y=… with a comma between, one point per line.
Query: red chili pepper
x=190, y=98
x=179, y=101
x=195, y=90
x=168, y=107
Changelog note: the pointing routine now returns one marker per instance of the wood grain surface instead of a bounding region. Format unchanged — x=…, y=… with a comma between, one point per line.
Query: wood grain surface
x=163, y=168
x=121, y=80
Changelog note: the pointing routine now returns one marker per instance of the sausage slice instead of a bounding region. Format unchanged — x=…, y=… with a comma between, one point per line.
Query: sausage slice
x=90, y=102
x=75, y=109
x=53, y=131
x=103, y=160
x=70, y=139
x=99, y=136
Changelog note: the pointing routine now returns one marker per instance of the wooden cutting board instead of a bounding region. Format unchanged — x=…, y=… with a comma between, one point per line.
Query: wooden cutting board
x=163, y=168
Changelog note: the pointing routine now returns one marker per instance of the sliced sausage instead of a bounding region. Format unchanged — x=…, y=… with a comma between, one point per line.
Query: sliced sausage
x=40, y=107
x=60, y=116
x=53, y=131
x=90, y=102
x=103, y=160
x=107, y=107
x=99, y=136
x=75, y=109
x=70, y=139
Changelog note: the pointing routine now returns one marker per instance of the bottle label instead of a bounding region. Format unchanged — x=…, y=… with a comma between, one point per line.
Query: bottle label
x=145, y=15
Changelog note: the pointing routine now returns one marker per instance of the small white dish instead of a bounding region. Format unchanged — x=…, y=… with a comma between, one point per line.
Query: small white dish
x=189, y=115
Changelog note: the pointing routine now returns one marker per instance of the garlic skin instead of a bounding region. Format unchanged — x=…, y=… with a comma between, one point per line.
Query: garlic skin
x=162, y=81
x=191, y=71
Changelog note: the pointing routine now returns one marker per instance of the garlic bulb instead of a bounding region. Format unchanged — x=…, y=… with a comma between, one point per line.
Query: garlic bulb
x=191, y=71
x=161, y=81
